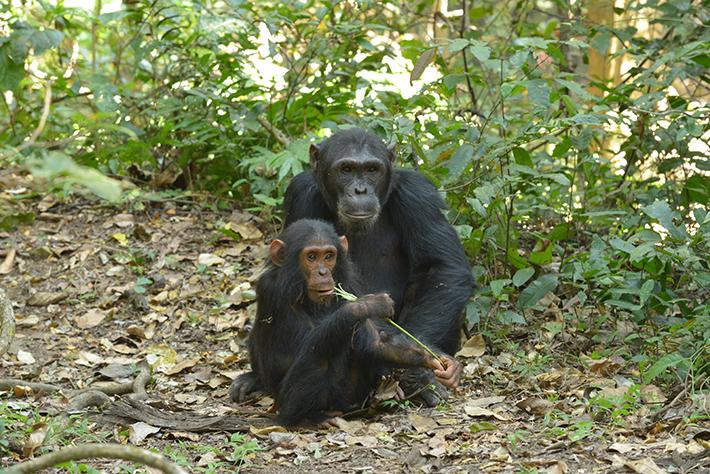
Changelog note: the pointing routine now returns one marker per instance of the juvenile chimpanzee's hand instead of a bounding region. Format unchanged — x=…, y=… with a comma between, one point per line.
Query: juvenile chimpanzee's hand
x=380, y=305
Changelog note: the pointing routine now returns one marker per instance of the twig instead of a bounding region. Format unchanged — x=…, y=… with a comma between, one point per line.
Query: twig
x=90, y=451
x=42, y=120
x=278, y=134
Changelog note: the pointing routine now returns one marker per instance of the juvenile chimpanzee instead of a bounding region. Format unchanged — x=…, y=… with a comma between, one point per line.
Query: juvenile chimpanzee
x=399, y=240
x=314, y=352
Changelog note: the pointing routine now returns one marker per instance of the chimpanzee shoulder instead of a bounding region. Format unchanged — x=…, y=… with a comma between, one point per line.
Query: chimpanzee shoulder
x=303, y=199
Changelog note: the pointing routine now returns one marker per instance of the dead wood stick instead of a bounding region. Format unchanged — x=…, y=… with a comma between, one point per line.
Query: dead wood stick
x=91, y=451
x=7, y=322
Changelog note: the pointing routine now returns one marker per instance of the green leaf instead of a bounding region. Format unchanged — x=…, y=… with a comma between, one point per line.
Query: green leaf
x=511, y=317
x=523, y=275
x=515, y=259
x=560, y=232
x=562, y=147
x=478, y=426
x=558, y=178
x=532, y=42
x=43, y=40
x=522, y=157
x=480, y=50
x=497, y=286
x=662, y=364
x=623, y=305
x=530, y=296
x=576, y=88
x=661, y=211
x=11, y=73
x=452, y=80
x=457, y=45
x=11, y=221
x=542, y=257
x=698, y=189
x=459, y=161
x=473, y=312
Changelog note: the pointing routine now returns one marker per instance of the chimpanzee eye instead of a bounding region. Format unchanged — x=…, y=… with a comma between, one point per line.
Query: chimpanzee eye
x=347, y=169
x=311, y=257
x=372, y=169
x=329, y=256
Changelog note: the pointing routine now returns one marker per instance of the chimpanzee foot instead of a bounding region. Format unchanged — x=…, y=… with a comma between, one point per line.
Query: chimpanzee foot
x=422, y=382
x=333, y=421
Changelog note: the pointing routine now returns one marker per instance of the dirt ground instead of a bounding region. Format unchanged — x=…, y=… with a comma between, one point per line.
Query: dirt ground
x=97, y=289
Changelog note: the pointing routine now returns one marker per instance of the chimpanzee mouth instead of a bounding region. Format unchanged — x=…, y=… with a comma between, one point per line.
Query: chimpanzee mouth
x=325, y=291
x=359, y=217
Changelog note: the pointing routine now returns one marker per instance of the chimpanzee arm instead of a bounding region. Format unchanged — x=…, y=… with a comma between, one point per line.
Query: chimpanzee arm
x=440, y=280
x=335, y=332
x=375, y=340
x=303, y=200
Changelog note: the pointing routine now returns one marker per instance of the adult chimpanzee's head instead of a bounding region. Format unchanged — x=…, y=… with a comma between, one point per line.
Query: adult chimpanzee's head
x=309, y=251
x=353, y=169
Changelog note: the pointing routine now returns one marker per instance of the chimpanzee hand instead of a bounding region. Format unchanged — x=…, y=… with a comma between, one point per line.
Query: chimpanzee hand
x=423, y=380
x=380, y=305
x=450, y=374
x=244, y=387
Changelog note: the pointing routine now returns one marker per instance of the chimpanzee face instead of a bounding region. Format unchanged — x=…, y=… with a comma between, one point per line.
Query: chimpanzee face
x=317, y=261
x=354, y=173
x=317, y=264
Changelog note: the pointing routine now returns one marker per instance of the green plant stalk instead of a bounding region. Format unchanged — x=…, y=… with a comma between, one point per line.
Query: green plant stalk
x=350, y=297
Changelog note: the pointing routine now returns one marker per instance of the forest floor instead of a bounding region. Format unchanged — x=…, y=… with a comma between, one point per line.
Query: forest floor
x=97, y=289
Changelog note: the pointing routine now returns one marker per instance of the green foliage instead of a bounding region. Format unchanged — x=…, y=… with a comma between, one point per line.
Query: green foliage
x=558, y=181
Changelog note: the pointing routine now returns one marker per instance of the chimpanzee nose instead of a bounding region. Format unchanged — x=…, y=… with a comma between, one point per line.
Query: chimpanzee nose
x=322, y=271
x=360, y=190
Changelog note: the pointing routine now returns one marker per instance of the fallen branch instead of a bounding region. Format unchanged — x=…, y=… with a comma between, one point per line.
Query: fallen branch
x=128, y=410
x=7, y=322
x=91, y=451
x=95, y=395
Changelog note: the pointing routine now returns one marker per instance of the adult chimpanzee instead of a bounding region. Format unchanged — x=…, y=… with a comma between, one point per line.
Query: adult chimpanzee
x=314, y=352
x=399, y=240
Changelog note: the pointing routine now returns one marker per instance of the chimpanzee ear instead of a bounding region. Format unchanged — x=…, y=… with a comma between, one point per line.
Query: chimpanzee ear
x=314, y=152
x=391, y=148
x=276, y=250
x=344, y=244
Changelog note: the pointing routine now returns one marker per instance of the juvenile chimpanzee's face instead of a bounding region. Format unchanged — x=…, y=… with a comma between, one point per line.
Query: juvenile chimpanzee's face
x=353, y=169
x=317, y=263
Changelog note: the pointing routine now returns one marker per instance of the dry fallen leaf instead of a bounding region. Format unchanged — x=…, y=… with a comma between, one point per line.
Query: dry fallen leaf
x=190, y=398
x=180, y=366
x=500, y=454
x=474, y=347
x=624, y=448
x=35, y=439
x=422, y=424
x=91, y=319
x=25, y=357
x=6, y=265
x=44, y=298
x=536, y=406
x=139, y=431
x=209, y=259
x=644, y=466
x=559, y=467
